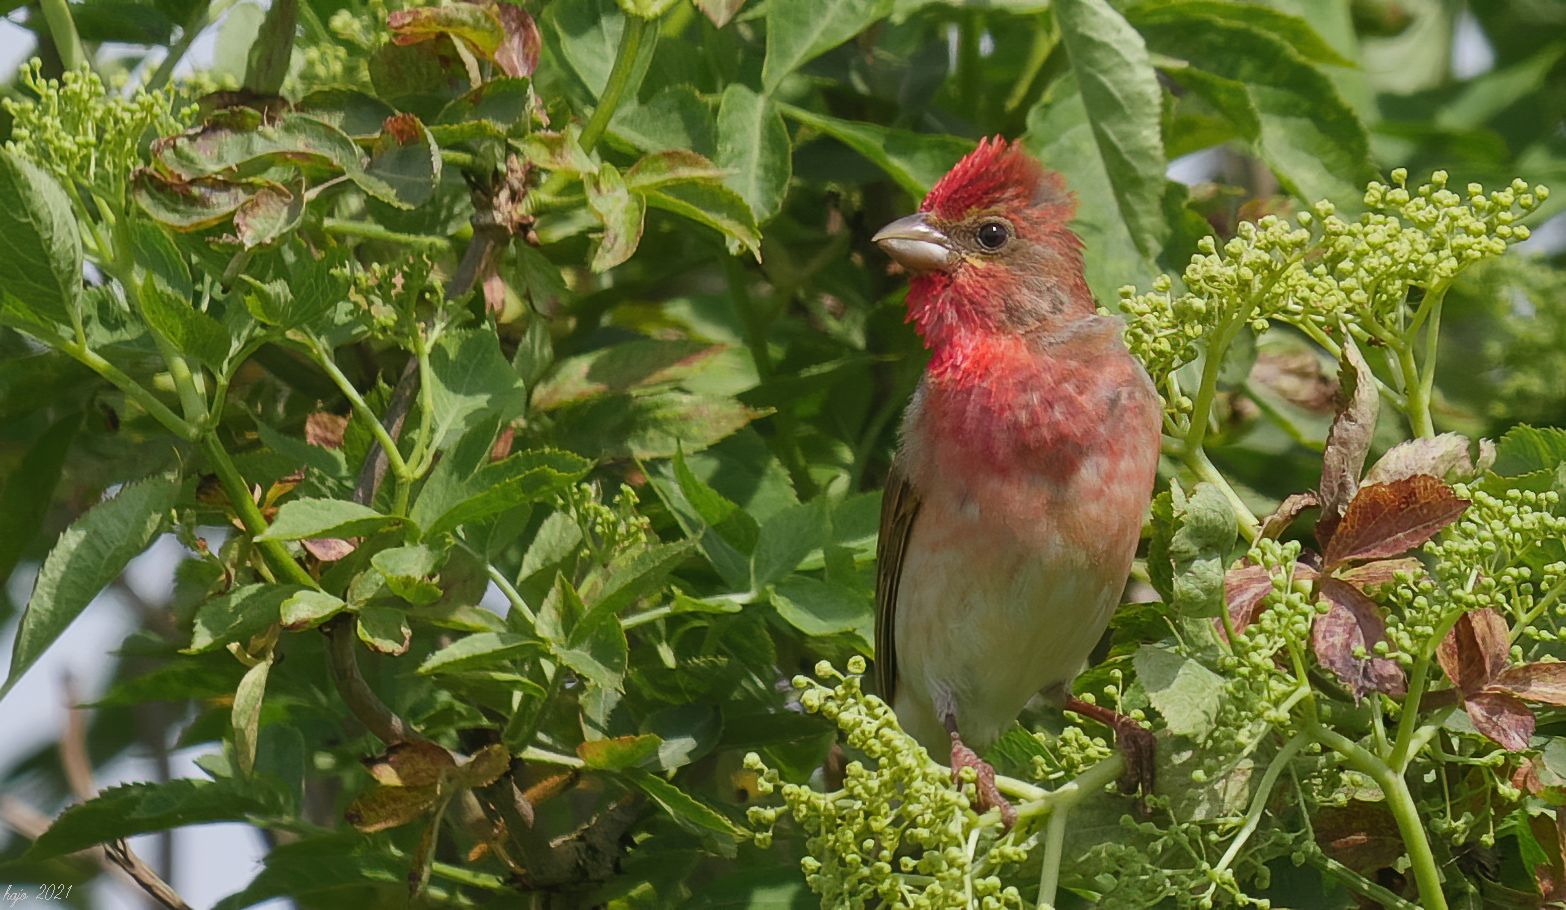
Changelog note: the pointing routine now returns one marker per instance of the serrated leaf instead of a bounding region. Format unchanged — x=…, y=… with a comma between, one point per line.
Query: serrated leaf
x=84, y=560
x=298, y=519
x=531, y=476
x=671, y=166
x=1198, y=550
x=407, y=571
x=472, y=380
x=631, y=576
x=1444, y=456
x=689, y=812
x=190, y=331
x=1125, y=109
x=308, y=608
x=753, y=144
x=1540, y=682
x=1298, y=32
x=915, y=161
x=597, y=649
x=405, y=164
x=817, y=607
x=801, y=30
x=483, y=649
x=476, y=26
x=384, y=808
x=1187, y=694
x=39, y=242
x=356, y=114
x=786, y=538
x=674, y=118
x=620, y=752
x=1389, y=519
x=29, y=488
x=238, y=615
x=648, y=426
x=639, y=364
x=130, y=809
x=715, y=206
x=385, y=630
x=1525, y=449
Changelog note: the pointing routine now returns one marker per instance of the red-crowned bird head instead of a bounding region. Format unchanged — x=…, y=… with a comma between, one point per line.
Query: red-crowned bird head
x=991, y=250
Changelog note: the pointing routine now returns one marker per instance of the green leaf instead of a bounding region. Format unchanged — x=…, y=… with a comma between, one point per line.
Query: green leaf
x=478, y=651
x=29, y=488
x=1160, y=567
x=671, y=166
x=1308, y=135
x=715, y=206
x=190, y=331
x=476, y=26
x=357, y=114
x=587, y=33
x=404, y=168
x=753, y=143
x=267, y=64
x=816, y=607
x=122, y=811
x=1060, y=134
x=626, y=367
x=620, y=211
x=525, y=477
x=1199, y=550
x=596, y=647
x=314, y=288
x=631, y=576
x=471, y=380
x=676, y=118
x=91, y=553
x=648, y=426
x=246, y=715
x=801, y=30
x=238, y=616
x=619, y=753
x=1187, y=694
x=407, y=571
x=308, y=608
x=690, y=813
x=787, y=538
x=329, y=462
x=385, y=630
x=686, y=733
x=1125, y=107
x=1300, y=34
x=914, y=160
x=240, y=137
x=39, y=242
x=303, y=519
x=1526, y=449
x=186, y=205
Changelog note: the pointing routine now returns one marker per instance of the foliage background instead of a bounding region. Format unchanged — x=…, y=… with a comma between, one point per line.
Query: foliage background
x=739, y=319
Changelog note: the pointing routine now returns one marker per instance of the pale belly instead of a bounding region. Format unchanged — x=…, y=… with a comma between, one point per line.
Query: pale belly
x=996, y=605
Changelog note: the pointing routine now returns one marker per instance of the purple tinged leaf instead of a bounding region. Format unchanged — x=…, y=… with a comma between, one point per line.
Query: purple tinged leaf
x=1476, y=650
x=1389, y=519
x=1445, y=456
x=1540, y=682
x=1349, y=439
x=1501, y=717
x=517, y=55
x=1354, y=622
x=1288, y=510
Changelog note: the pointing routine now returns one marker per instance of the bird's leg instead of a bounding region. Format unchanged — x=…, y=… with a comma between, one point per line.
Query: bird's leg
x=984, y=776
x=1135, y=742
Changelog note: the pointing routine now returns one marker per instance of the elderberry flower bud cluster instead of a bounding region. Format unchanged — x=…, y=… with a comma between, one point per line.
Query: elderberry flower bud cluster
x=87, y=133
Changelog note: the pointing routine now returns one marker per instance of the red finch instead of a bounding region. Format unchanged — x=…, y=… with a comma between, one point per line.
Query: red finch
x=1016, y=500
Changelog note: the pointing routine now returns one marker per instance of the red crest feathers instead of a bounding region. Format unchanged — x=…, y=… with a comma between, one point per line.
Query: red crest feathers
x=999, y=175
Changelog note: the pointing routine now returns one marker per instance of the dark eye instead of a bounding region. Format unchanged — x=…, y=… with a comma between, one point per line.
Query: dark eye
x=993, y=235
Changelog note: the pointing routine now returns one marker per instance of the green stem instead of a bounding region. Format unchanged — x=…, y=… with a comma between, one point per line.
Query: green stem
x=62, y=31
x=619, y=80
x=423, y=445
x=1355, y=882
x=1207, y=391
x=1402, y=751
x=1054, y=848
x=465, y=876
x=1259, y=801
x=133, y=390
x=1417, y=404
x=523, y=728
x=1042, y=802
x=1404, y=811
x=1432, y=342
x=239, y=496
x=507, y=589
x=367, y=230
x=323, y=358
x=1203, y=468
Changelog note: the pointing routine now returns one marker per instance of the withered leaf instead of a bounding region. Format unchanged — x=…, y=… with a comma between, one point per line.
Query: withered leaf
x=1389, y=519
x=1245, y=587
x=328, y=549
x=485, y=767
x=390, y=807
x=1348, y=441
x=1502, y=717
x=518, y=52
x=417, y=763
x=1354, y=622
x=1476, y=650
x=325, y=430
x=1380, y=572
x=1362, y=835
x=1541, y=682
x=1445, y=456
x=1288, y=510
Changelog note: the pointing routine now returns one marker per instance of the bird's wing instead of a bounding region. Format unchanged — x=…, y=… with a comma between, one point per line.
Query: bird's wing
x=899, y=507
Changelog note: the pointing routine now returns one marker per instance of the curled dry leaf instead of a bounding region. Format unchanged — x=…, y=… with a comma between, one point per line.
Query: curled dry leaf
x=1288, y=510
x=518, y=52
x=325, y=430
x=329, y=549
x=1445, y=456
x=416, y=763
x=1389, y=519
x=1540, y=682
x=1475, y=651
x=1353, y=623
x=1367, y=575
x=1502, y=717
x=1245, y=587
x=1349, y=439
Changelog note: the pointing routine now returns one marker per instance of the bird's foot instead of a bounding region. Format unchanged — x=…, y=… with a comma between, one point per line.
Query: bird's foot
x=984, y=781
x=1134, y=741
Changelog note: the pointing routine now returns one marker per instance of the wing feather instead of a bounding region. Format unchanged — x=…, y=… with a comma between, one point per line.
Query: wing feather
x=899, y=508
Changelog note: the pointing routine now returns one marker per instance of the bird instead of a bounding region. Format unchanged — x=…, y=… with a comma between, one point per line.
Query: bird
x=1026, y=463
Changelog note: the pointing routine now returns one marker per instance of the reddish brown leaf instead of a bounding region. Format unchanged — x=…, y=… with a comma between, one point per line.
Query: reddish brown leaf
x=325, y=430
x=1389, y=519
x=1503, y=718
x=1244, y=589
x=1287, y=511
x=1362, y=835
x=417, y=763
x=1380, y=572
x=1349, y=439
x=719, y=11
x=518, y=51
x=1476, y=650
x=1541, y=682
x=1353, y=623
x=1445, y=456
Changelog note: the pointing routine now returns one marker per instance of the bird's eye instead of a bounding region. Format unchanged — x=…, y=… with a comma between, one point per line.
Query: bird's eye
x=992, y=235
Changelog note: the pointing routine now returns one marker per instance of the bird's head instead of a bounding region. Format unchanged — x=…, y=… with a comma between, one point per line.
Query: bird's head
x=990, y=249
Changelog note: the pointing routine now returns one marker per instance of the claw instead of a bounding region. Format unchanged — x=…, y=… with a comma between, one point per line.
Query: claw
x=989, y=796
x=1134, y=740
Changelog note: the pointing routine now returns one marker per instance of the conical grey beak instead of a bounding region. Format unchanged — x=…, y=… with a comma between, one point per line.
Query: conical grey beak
x=916, y=245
